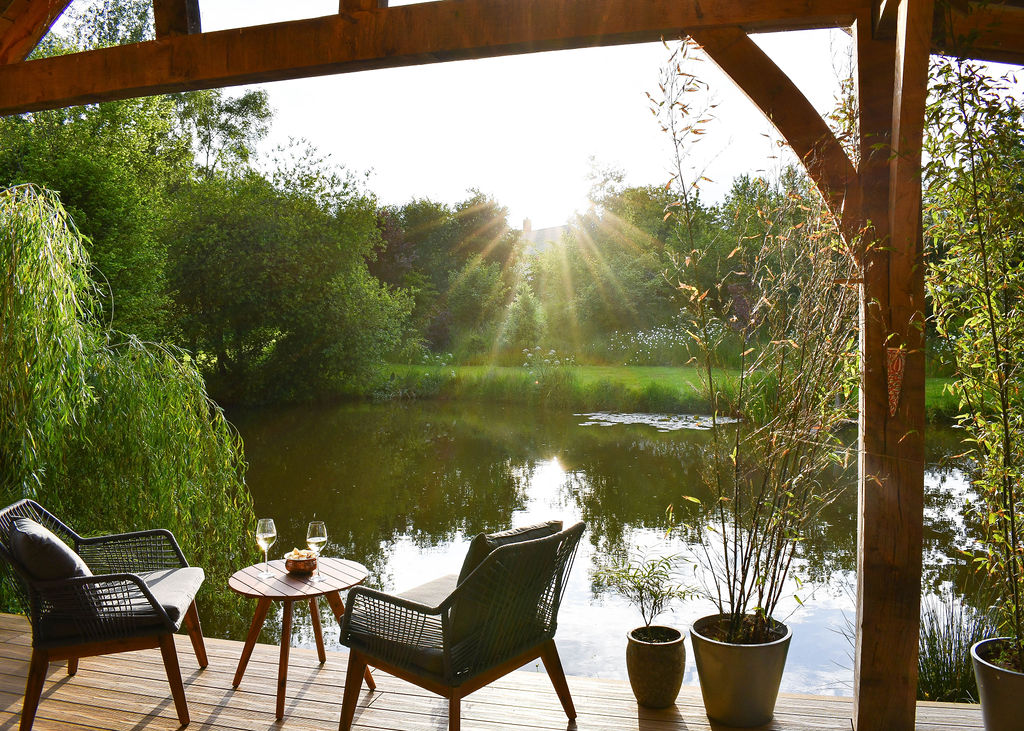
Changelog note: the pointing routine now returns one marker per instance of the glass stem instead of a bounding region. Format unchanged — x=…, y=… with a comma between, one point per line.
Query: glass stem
x=266, y=561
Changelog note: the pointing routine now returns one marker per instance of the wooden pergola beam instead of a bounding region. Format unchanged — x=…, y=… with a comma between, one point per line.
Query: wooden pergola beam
x=382, y=38
x=27, y=27
x=786, y=107
x=992, y=32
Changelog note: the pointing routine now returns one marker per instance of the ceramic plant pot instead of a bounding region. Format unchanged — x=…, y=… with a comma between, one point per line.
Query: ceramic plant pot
x=655, y=666
x=1001, y=691
x=739, y=682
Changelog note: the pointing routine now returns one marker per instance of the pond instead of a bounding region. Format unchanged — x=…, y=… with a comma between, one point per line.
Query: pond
x=403, y=488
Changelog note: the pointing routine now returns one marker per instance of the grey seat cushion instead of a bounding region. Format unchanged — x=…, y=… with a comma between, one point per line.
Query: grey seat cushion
x=174, y=589
x=43, y=555
x=433, y=592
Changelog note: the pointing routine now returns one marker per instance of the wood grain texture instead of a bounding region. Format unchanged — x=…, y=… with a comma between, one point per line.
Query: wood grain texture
x=989, y=32
x=381, y=38
x=29, y=23
x=129, y=692
x=890, y=520
x=875, y=81
x=337, y=575
x=176, y=17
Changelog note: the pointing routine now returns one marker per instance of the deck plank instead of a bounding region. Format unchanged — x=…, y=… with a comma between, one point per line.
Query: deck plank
x=129, y=692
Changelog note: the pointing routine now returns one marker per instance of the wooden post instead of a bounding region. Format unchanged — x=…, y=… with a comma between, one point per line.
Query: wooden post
x=892, y=80
x=351, y=6
x=176, y=17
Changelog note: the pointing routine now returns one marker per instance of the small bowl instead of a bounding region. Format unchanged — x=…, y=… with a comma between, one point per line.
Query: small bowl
x=300, y=565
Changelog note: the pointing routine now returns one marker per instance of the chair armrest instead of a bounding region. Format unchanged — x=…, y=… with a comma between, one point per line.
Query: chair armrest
x=147, y=550
x=96, y=608
x=391, y=626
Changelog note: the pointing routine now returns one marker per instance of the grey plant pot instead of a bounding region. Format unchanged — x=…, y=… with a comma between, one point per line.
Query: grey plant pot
x=656, y=669
x=1001, y=691
x=740, y=683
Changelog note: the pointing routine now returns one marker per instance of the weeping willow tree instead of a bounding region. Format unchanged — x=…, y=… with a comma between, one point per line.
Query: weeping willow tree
x=110, y=433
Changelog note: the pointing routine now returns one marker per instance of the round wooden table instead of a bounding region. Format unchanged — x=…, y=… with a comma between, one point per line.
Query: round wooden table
x=338, y=575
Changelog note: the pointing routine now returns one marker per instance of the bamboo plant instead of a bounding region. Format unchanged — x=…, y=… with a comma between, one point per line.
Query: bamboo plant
x=782, y=295
x=974, y=194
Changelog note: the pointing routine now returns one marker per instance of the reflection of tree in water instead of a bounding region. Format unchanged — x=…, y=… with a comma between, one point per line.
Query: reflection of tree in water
x=429, y=473
x=377, y=474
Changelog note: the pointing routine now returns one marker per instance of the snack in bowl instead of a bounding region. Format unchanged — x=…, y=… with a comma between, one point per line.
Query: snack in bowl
x=300, y=561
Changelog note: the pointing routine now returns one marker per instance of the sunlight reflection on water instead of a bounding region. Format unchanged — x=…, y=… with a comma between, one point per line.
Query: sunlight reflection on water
x=404, y=487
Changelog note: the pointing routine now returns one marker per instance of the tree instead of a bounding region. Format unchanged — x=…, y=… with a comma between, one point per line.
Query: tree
x=524, y=322
x=113, y=165
x=97, y=425
x=272, y=286
x=223, y=129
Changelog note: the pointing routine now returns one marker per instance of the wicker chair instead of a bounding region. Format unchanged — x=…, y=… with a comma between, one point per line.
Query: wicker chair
x=141, y=590
x=498, y=616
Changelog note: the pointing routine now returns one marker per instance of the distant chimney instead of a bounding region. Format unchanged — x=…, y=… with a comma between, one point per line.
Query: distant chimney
x=527, y=227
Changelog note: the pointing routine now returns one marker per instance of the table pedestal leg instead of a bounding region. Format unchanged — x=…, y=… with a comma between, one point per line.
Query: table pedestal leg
x=250, y=640
x=318, y=633
x=338, y=607
x=282, y=667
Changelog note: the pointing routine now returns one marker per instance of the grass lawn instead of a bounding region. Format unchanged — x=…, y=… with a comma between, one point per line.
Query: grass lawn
x=623, y=388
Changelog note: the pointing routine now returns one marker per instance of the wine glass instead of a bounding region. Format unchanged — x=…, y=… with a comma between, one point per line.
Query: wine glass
x=266, y=536
x=316, y=539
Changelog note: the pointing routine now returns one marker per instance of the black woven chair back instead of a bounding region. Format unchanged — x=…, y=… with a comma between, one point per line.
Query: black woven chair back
x=13, y=574
x=510, y=603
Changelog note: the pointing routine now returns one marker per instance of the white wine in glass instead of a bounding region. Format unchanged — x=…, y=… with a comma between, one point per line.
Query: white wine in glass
x=266, y=536
x=316, y=539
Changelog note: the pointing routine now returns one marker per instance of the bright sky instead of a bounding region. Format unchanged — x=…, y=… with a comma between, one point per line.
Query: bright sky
x=523, y=128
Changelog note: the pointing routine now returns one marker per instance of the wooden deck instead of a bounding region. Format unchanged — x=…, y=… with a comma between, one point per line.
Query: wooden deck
x=129, y=692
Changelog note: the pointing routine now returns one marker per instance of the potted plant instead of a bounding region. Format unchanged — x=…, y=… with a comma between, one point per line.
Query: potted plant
x=769, y=471
x=773, y=327
x=974, y=185
x=655, y=654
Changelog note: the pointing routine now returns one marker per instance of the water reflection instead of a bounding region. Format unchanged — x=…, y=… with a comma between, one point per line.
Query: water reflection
x=403, y=487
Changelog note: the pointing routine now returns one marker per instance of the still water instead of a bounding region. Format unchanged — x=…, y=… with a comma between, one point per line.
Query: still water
x=403, y=487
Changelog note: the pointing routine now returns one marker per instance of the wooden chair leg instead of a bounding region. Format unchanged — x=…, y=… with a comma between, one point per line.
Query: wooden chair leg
x=454, y=713
x=353, y=684
x=174, y=677
x=72, y=665
x=34, y=688
x=553, y=665
x=195, y=633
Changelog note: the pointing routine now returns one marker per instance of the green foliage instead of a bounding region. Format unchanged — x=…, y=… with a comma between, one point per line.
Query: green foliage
x=524, y=322
x=476, y=294
x=112, y=433
x=606, y=275
x=459, y=263
x=770, y=478
x=949, y=627
x=587, y=388
x=223, y=129
x=649, y=583
x=272, y=286
x=112, y=164
x=975, y=207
